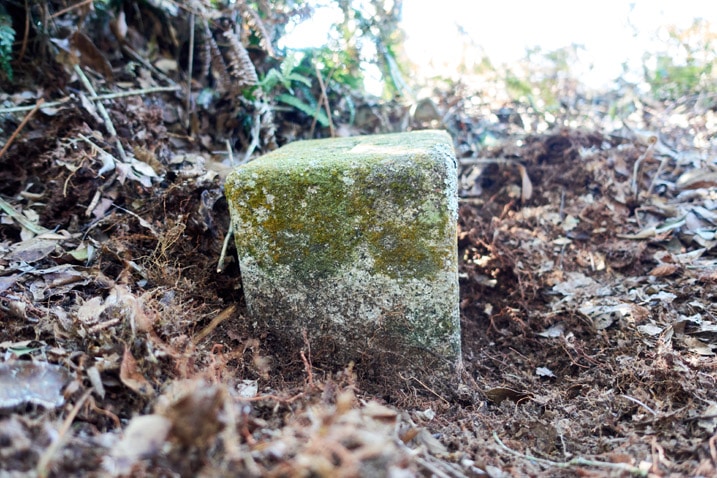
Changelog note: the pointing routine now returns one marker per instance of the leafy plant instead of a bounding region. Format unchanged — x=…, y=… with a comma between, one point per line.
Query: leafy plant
x=309, y=110
x=7, y=37
x=288, y=76
x=687, y=64
x=284, y=75
x=670, y=80
x=375, y=23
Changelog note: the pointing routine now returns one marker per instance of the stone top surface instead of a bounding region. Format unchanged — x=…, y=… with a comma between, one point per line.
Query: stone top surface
x=361, y=149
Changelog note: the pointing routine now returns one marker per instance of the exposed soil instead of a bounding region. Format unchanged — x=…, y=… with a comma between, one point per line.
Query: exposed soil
x=587, y=267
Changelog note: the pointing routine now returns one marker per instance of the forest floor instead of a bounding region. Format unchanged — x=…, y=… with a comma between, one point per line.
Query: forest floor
x=588, y=272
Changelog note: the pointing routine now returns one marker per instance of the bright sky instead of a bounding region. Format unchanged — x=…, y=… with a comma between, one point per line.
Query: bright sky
x=612, y=31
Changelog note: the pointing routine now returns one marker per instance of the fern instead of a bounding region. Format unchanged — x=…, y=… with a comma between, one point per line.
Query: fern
x=241, y=67
x=284, y=75
x=7, y=37
x=305, y=108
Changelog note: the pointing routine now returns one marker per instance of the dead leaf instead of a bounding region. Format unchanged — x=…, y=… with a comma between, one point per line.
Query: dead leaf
x=8, y=281
x=604, y=315
x=131, y=376
x=553, y=331
x=90, y=311
x=709, y=422
x=144, y=438
x=193, y=408
x=498, y=394
x=664, y=270
x=89, y=55
x=695, y=345
x=696, y=179
x=118, y=25
x=527, y=186
x=39, y=383
x=544, y=372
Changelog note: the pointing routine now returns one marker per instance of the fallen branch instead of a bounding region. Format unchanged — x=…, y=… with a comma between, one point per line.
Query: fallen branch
x=190, y=66
x=43, y=465
x=225, y=246
x=21, y=126
x=325, y=100
x=107, y=96
x=574, y=462
x=634, y=182
x=22, y=219
x=103, y=112
x=221, y=317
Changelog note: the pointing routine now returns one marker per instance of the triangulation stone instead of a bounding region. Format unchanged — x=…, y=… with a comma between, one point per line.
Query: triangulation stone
x=351, y=243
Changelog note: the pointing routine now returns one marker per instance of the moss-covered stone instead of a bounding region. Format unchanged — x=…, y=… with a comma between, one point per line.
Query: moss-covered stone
x=353, y=241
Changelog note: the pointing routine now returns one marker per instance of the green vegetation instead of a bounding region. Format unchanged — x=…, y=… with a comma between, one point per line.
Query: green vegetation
x=686, y=66
x=289, y=77
x=7, y=37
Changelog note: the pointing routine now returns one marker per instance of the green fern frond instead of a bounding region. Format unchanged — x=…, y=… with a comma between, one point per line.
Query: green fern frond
x=7, y=37
x=305, y=108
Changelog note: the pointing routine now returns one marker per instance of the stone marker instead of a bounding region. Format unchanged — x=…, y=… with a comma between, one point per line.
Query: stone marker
x=352, y=243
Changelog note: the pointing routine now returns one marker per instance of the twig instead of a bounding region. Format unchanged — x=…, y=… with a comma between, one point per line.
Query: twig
x=70, y=8
x=221, y=317
x=279, y=399
x=320, y=102
x=22, y=219
x=190, y=67
x=107, y=96
x=657, y=174
x=471, y=161
x=307, y=361
x=103, y=112
x=574, y=462
x=432, y=468
x=634, y=183
x=115, y=419
x=230, y=153
x=142, y=221
x=21, y=126
x=139, y=59
x=93, y=204
x=635, y=400
x=108, y=161
x=225, y=246
x=325, y=100
x=43, y=465
x=143, y=91
x=426, y=387
x=20, y=109
x=526, y=188
x=255, y=131
x=25, y=35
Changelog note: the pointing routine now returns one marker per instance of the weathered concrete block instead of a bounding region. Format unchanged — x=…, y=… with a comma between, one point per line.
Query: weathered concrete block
x=353, y=240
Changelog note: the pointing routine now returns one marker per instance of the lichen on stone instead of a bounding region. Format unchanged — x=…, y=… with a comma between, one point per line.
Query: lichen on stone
x=351, y=234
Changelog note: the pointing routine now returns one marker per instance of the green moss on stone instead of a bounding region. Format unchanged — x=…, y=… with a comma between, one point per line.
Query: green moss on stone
x=311, y=210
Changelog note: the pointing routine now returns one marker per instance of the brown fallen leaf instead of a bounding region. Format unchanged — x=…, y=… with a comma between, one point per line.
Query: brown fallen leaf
x=498, y=394
x=664, y=270
x=132, y=377
x=194, y=409
x=697, y=178
x=144, y=437
x=89, y=55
